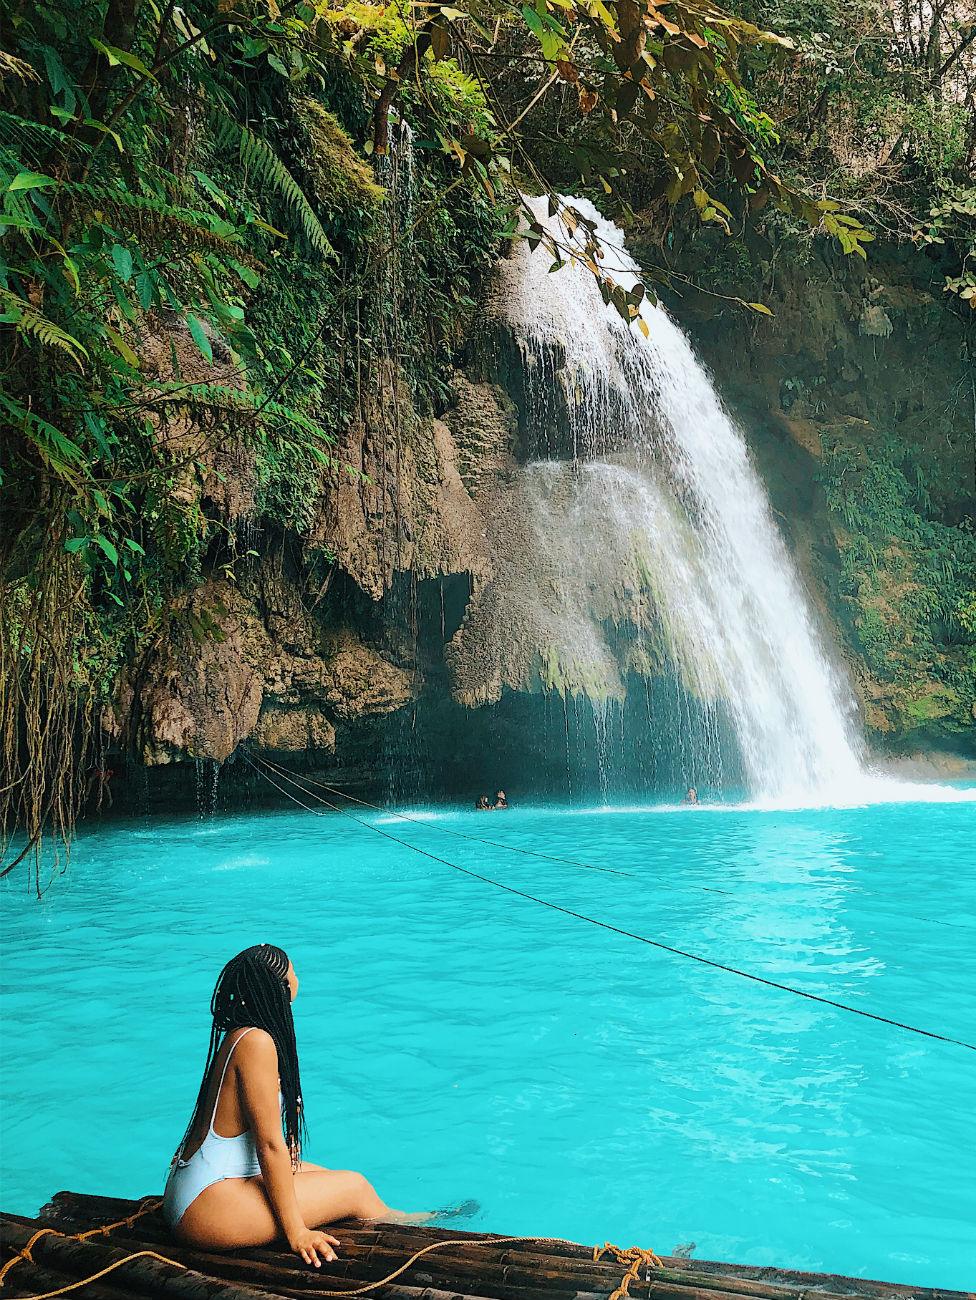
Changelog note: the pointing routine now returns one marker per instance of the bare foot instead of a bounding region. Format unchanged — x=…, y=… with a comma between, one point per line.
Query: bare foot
x=465, y=1210
x=405, y=1216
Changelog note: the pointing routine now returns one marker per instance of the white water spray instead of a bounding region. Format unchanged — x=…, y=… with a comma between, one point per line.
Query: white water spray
x=665, y=490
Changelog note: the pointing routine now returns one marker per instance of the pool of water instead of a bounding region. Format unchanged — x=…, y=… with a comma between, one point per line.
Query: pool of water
x=458, y=1041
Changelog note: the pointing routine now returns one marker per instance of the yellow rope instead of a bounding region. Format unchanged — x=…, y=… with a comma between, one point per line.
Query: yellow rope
x=633, y=1257
x=83, y=1236
x=147, y=1208
x=73, y=1286
x=26, y=1252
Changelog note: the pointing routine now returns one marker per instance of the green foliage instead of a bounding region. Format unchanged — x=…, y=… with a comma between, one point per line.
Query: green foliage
x=197, y=263
x=880, y=106
x=266, y=170
x=342, y=182
x=953, y=220
x=906, y=580
x=569, y=96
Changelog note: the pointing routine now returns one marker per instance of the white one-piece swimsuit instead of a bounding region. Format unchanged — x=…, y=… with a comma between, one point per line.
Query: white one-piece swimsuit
x=214, y=1160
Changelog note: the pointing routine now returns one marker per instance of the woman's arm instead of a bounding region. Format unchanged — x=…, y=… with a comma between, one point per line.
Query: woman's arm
x=257, y=1068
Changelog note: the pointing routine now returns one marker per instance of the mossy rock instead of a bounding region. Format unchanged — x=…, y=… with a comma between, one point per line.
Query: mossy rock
x=340, y=179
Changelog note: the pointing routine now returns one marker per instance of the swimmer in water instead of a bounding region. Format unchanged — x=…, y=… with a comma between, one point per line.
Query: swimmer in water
x=501, y=801
x=483, y=805
x=691, y=796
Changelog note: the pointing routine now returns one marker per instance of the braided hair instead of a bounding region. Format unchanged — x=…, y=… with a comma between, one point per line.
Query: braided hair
x=252, y=991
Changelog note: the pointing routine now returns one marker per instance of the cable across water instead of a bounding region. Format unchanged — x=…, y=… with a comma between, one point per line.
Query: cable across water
x=615, y=929
x=307, y=780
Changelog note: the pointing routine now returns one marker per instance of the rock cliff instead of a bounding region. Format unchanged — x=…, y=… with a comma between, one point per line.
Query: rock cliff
x=347, y=643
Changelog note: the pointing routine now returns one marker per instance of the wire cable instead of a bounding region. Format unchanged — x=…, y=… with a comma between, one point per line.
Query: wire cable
x=550, y=857
x=461, y=835
x=627, y=934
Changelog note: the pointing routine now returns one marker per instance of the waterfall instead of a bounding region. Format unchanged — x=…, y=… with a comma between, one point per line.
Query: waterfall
x=656, y=518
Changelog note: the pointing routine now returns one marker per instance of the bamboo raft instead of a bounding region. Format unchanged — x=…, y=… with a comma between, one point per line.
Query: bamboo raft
x=128, y=1245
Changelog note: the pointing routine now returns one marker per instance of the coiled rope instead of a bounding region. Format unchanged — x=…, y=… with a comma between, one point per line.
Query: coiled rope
x=616, y=929
x=633, y=1257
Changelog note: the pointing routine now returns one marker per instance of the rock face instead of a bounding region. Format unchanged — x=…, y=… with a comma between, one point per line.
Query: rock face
x=399, y=502
x=389, y=606
x=219, y=472
x=235, y=668
x=860, y=384
x=287, y=663
x=199, y=694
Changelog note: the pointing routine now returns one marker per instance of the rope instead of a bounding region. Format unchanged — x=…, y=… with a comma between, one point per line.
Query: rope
x=26, y=1252
x=629, y=934
x=103, y=1231
x=425, y=1250
x=446, y=830
x=633, y=1257
x=149, y=1207
x=86, y=1281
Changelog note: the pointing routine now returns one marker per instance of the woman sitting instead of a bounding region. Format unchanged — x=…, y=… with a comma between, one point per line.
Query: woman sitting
x=237, y=1178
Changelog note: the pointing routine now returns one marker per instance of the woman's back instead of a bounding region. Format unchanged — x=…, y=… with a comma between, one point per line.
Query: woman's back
x=209, y=1155
x=223, y=1101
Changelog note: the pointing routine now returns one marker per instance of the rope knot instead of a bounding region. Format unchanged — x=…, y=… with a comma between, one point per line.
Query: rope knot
x=634, y=1257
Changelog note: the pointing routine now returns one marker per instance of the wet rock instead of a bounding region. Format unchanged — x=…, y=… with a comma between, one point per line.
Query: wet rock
x=484, y=427
x=875, y=321
x=199, y=695
x=294, y=730
x=358, y=682
x=220, y=471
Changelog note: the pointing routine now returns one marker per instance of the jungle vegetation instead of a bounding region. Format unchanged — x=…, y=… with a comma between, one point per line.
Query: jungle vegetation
x=200, y=259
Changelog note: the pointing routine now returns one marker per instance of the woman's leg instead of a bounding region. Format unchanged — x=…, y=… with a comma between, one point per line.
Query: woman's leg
x=237, y=1212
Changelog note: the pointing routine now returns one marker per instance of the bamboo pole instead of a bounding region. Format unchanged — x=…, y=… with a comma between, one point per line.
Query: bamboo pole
x=27, y=1279
x=82, y=1259
x=478, y=1264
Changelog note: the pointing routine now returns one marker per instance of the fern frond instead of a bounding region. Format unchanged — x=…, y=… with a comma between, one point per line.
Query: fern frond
x=155, y=217
x=11, y=66
x=57, y=450
x=23, y=137
x=27, y=320
x=268, y=169
x=220, y=397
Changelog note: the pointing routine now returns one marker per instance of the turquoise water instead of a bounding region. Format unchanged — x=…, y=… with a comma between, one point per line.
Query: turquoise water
x=461, y=1042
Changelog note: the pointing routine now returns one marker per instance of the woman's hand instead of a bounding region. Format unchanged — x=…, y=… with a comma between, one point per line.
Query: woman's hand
x=311, y=1243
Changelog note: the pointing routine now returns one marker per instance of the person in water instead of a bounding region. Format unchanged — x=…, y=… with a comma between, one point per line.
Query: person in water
x=237, y=1178
x=501, y=800
x=483, y=804
x=691, y=796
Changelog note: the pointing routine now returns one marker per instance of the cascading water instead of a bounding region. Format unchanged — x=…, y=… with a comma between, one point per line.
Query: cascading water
x=663, y=512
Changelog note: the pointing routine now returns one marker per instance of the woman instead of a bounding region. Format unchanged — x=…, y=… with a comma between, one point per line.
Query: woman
x=237, y=1178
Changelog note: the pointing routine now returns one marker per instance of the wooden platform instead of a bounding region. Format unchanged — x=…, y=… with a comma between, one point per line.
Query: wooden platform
x=469, y=1266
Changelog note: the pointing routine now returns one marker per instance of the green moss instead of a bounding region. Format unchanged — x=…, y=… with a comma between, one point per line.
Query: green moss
x=906, y=579
x=341, y=181
x=581, y=680
x=446, y=96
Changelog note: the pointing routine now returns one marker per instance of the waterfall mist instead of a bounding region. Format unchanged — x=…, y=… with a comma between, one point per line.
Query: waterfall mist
x=645, y=547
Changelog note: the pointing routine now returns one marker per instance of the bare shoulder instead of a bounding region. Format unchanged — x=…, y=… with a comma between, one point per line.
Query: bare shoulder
x=257, y=1047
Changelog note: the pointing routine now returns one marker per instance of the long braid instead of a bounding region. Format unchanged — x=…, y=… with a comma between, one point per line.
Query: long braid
x=252, y=991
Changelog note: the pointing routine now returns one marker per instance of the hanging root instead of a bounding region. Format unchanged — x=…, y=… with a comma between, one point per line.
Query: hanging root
x=45, y=708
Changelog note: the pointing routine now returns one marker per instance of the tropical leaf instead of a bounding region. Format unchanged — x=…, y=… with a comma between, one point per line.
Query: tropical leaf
x=19, y=313
x=267, y=169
